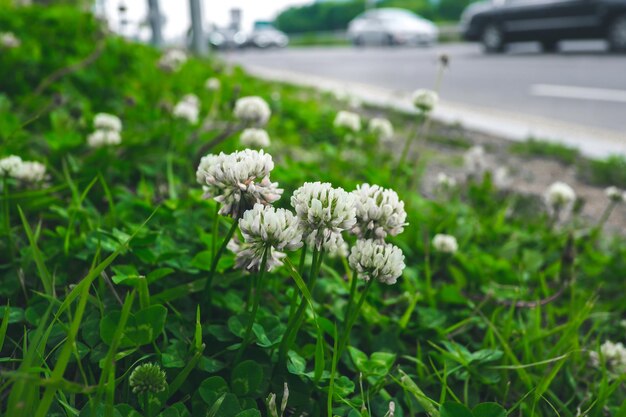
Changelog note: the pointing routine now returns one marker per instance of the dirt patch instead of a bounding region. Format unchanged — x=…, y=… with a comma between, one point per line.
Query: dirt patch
x=527, y=175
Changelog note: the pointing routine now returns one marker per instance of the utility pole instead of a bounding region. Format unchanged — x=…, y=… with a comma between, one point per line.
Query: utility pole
x=154, y=17
x=198, y=42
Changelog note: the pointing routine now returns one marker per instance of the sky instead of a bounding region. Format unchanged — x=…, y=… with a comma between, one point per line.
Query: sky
x=216, y=11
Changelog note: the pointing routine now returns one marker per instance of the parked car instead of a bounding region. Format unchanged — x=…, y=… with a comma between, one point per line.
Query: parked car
x=267, y=37
x=226, y=38
x=501, y=22
x=391, y=26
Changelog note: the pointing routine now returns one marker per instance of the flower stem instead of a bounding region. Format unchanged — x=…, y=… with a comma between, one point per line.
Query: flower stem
x=255, y=306
x=346, y=336
x=407, y=144
x=295, y=321
x=339, y=347
x=606, y=214
x=350, y=299
x=216, y=258
x=7, y=216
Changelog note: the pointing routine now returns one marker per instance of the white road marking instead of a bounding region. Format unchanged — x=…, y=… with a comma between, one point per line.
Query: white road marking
x=579, y=93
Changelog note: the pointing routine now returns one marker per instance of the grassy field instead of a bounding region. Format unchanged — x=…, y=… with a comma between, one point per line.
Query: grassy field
x=120, y=297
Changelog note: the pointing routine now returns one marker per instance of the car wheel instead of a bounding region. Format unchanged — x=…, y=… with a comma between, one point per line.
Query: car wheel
x=617, y=34
x=493, y=39
x=550, y=46
x=389, y=40
x=357, y=41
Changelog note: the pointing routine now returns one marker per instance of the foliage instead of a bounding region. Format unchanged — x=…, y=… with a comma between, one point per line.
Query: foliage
x=335, y=15
x=102, y=269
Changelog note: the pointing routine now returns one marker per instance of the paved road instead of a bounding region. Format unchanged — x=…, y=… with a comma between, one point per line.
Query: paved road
x=582, y=84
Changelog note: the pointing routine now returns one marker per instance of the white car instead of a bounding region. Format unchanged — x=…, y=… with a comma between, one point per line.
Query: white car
x=391, y=26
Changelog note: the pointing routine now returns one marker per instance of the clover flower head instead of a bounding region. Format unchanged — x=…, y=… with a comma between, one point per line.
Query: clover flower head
x=105, y=121
x=445, y=243
x=9, y=165
x=188, y=109
x=252, y=110
x=30, y=171
x=348, y=120
x=445, y=181
x=381, y=128
x=501, y=178
x=373, y=260
x=8, y=40
x=559, y=197
x=614, y=355
x=335, y=246
x=172, y=60
x=615, y=194
x=323, y=210
x=238, y=180
x=148, y=378
x=425, y=100
x=379, y=212
x=254, y=138
x=267, y=228
x=101, y=138
x=212, y=84
x=474, y=161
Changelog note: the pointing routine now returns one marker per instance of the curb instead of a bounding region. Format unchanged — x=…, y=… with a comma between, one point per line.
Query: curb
x=592, y=142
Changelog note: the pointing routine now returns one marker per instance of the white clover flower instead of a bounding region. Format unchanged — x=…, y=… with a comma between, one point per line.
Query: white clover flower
x=254, y=138
x=614, y=355
x=335, y=246
x=172, y=60
x=379, y=212
x=30, y=171
x=559, y=198
x=101, y=138
x=105, y=121
x=501, y=179
x=252, y=110
x=355, y=103
x=212, y=84
x=9, y=165
x=323, y=210
x=445, y=243
x=615, y=194
x=348, y=120
x=382, y=128
x=425, y=100
x=205, y=162
x=8, y=40
x=267, y=228
x=372, y=260
x=474, y=161
x=188, y=109
x=238, y=180
x=445, y=181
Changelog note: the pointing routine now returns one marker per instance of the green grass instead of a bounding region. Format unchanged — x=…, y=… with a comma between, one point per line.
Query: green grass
x=545, y=149
x=104, y=266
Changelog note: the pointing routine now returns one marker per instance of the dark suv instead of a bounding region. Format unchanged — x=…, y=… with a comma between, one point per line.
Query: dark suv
x=500, y=22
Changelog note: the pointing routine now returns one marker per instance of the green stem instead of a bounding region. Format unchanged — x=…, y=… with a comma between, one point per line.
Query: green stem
x=7, y=216
x=407, y=145
x=429, y=286
x=350, y=298
x=294, y=299
x=605, y=215
x=339, y=348
x=346, y=336
x=216, y=258
x=255, y=307
x=295, y=321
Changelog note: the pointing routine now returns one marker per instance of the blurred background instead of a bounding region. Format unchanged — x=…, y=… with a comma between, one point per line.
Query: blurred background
x=550, y=68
